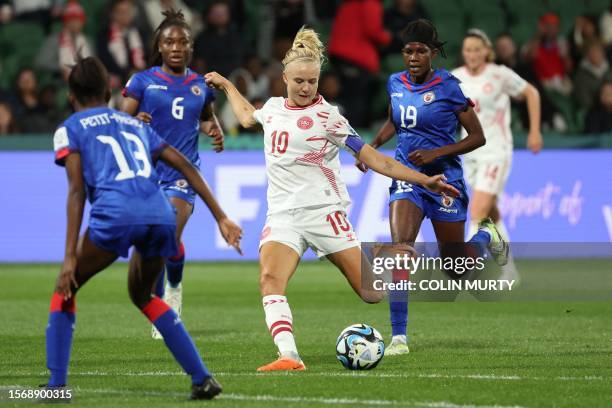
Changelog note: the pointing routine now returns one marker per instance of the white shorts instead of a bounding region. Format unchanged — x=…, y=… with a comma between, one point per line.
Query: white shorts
x=489, y=176
x=325, y=229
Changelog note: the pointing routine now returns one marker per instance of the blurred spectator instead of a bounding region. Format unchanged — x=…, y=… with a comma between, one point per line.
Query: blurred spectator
x=153, y=12
x=250, y=78
x=398, y=16
x=252, y=82
x=548, y=54
x=8, y=124
x=279, y=20
x=50, y=114
x=219, y=46
x=592, y=72
x=583, y=33
x=25, y=99
x=59, y=50
x=120, y=45
x=330, y=89
x=356, y=34
x=41, y=12
x=506, y=54
x=278, y=87
x=605, y=27
x=599, y=118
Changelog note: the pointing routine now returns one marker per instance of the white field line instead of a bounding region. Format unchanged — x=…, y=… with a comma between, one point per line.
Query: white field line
x=483, y=377
x=297, y=399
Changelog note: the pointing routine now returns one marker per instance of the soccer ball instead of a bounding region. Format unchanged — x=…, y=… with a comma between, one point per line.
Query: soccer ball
x=360, y=347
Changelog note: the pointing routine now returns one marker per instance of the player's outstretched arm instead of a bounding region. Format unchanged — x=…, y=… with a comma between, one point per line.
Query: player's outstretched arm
x=241, y=107
x=384, y=134
x=534, y=138
x=209, y=124
x=392, y=168
x=74, y=211
x=231, y=232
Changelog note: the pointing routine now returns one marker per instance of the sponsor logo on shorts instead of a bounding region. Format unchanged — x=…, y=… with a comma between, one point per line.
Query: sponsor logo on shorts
x=429, y=97
x=265, y=232
x=305, y=122
x=448, y=210
x=397, y=95
x=447, y=201
x=181, y=183
x=196, y=90
x=350, y=237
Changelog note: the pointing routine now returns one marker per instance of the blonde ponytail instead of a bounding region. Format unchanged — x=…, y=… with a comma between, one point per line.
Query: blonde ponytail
x=306, y=47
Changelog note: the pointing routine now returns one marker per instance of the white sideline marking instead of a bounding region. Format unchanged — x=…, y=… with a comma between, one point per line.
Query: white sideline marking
x=319, y=400
x=486, y=377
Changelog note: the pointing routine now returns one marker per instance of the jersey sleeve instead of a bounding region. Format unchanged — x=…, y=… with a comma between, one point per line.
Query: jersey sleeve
x=156, y=143
x=512, y=83
x=341, y=133
x=456, y=96
x=64, y=143
x=209, y=95
x=260, y=114
x=135, y=87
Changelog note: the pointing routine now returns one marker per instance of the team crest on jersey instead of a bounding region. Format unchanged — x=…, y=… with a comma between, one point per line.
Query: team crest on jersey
x=429, y=97
x=305, y=122
x=487, y=88
x=196, y=90
x=447, y=201
x=181, y=183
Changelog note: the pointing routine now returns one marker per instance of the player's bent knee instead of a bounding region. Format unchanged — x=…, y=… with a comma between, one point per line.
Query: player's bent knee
x=372, y=296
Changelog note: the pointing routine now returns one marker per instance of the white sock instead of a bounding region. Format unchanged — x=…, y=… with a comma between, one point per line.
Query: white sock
x=400, y=338
x=280, y=324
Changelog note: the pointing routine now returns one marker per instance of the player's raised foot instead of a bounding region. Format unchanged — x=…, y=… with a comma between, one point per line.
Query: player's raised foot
x=498, y=247
x=398, y=346
x=209, y=389
x=155, y=334
x=174, y=298
x=285, y=363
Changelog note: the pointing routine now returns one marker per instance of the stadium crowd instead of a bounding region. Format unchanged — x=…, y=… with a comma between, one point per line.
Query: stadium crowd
x=570, y=68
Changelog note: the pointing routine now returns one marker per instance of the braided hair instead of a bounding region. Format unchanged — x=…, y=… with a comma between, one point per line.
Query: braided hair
x=172, y=18
x=88, y=81
x=423, y=31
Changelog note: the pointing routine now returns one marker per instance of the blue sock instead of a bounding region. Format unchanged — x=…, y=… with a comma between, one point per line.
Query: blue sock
x=159, y=285
x=480, y=241
x=177, y=339
x=398, y=306
x=174, y=267
x=59, y=338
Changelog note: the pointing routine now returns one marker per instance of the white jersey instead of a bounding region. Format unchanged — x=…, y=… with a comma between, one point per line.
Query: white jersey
x=301, y=147
x=491, y=91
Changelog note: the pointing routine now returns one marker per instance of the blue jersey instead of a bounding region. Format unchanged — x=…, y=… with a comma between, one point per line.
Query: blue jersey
x=176, y=104
x=425, y=117
x=118, y=153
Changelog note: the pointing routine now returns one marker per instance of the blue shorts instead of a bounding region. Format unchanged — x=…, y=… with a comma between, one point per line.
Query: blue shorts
x=434, y=206
x=178, y=188
x=151, y=240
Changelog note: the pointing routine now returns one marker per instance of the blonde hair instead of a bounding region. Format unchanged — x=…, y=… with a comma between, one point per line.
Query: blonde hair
x=481, y=35
x=306, y=47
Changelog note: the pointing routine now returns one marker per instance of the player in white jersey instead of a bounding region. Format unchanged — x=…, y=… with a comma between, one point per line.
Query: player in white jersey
x=307, y=198
x=490, y=87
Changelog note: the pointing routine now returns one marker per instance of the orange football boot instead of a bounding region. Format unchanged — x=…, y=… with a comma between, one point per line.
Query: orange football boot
x=283, y=364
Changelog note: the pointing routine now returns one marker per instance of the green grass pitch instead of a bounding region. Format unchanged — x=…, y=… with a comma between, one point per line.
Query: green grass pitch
x=528, y=354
